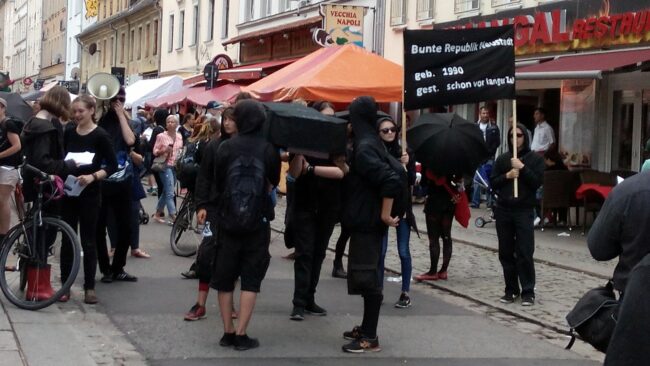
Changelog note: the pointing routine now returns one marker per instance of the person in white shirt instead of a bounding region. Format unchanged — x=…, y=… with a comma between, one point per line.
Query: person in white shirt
x=543, y=136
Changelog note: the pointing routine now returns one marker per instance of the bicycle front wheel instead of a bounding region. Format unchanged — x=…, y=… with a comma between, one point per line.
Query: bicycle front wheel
x=186, y=233
x=34, y=281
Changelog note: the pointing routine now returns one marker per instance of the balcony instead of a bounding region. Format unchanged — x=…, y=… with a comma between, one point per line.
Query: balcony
x=462, y=6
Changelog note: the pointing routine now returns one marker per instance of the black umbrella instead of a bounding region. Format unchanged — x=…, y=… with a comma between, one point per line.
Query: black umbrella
x=305, y=130
x=32, y=95
x=17, y=107
x=447, y=143
x=346, y=114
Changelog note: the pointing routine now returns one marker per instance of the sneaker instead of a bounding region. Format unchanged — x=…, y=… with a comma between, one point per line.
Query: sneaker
x=125, y=277
x=362, y=345
x=190, y=274
x=527, y=300
x=107, y=278
x=298, y=313
x=197, y=312
x=403, y=302
x=339, y=272
x=244, y=342
x=314, y=309
x=90, y=297
x=353, y=334
x=508, y=298
x=152, y=190
x=227, y=340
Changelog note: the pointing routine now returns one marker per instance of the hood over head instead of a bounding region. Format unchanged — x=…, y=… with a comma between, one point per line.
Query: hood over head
x=526, y=147
x=393, y=147
x=36, y=126
x=249, y=116
x=363, y=116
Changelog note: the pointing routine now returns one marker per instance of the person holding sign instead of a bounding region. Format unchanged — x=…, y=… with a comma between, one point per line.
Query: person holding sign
x=514, y=215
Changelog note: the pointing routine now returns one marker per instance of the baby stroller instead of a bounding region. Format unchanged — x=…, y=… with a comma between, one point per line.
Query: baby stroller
x=482, y=178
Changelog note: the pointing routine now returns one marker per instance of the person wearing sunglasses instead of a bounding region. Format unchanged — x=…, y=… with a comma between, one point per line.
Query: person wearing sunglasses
x=514, y=215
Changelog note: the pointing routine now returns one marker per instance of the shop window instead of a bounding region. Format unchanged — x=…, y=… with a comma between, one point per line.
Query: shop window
x=461, y=6
x=398, y=10
x=577, y=118
x=425, y=9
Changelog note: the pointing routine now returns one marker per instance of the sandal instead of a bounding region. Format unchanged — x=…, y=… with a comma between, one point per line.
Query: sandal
x=139, y=253
x=159, y=219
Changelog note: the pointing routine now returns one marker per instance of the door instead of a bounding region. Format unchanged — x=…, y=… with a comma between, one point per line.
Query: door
x=623, y=130
x=645, y=126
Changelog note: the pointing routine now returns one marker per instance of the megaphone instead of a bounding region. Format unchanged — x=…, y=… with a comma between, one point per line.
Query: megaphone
x=103, y=86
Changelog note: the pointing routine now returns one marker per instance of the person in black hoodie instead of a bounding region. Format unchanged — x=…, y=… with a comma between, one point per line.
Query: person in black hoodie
x=243, y=252
x=514, y=215
x=372, y=186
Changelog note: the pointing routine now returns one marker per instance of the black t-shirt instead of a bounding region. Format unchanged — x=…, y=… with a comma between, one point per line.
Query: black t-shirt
x=317, y=194
x=97, y=141
x=7, y=126
x=185, y=134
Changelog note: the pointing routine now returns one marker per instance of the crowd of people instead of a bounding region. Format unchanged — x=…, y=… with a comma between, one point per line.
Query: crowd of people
x=221, y=157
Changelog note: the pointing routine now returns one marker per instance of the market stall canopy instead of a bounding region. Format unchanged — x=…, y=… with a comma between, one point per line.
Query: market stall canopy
x=170, y=99
x=201, y=97
x=143, y=91
x=337, y=74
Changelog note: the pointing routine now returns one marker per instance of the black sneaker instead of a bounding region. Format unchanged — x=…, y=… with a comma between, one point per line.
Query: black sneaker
x=190, y=274
x=107, y=278
x=353, y=334
x=314, y=309
x=123, y=276
x=244, y=342
x=339, y=272
x=527, y=300
x=508, y=298
x=403, y=302
x=298, y=313
x=227, y=340
x=362, y=345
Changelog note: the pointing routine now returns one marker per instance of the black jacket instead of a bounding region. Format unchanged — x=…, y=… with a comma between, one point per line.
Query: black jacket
x=371, y=176
x=492, y=138
x=530, y=179
x=621, y=228
x=42, y=145
x=205, y=195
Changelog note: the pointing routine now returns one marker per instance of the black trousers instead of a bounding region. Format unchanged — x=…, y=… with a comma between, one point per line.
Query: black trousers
x=515, y=231
x=81, y=213
x=116, y=199
x=340, y=245
x=311, y=234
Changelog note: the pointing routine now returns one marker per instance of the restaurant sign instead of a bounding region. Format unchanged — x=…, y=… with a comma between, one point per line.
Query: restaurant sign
x=344, y=24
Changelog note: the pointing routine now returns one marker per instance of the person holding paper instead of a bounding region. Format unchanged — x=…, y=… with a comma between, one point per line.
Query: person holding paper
x=82, y=212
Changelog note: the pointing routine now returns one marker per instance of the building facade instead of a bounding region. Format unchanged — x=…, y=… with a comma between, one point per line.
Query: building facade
x=584, y=61
x=79, y=18
x=53, y=52
x=22, y=42
x=126, y=35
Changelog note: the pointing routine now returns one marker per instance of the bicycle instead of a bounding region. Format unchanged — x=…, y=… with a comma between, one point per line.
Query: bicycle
x=186, y=222
x=39, y=252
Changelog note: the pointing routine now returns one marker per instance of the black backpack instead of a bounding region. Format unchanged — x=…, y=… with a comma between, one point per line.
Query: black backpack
x=594, y=317
x=244, y=199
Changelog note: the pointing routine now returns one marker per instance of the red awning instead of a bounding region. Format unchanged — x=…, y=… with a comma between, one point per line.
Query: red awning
x=245, y=72
x=200, y=96
x=585, y=66
x=169, y=99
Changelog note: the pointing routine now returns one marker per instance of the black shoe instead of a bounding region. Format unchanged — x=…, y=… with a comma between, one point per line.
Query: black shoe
x=298, y=313
x=227, y=340
x=123, y=276
x=244, y=342
x=338, y=272
x=527, y=300
x=403, y=302
x=107, y=278
x=362, y=345
x=508, y=298
x=353, y=334
x=314, y=309
x=190, y=274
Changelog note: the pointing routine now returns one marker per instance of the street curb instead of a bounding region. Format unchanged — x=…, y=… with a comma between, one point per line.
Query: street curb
x=13, y=332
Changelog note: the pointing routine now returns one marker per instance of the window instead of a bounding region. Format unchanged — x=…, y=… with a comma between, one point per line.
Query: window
x=465, y=5
x=122, y=47
x=285, y=5
x=248, y=11
x=155, y=37
x=78, y=6
x=181, y=29
x=104, y=53
x=225, y=20
x=265, y=8
x=425, y=9
x=110, y=7
x=210, y=28
x=140, y=39
x=111, y=48
x=147, y=40
x=195, y=24
x=398, y=12
x=504, y=2
x=78, y=55
x=170, y=41
x=132, y=45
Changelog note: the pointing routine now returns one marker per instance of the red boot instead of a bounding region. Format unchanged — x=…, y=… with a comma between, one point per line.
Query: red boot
x=39, y=287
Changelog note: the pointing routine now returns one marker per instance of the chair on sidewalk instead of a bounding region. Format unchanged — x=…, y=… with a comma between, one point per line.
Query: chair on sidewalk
x=593, y=202
x=559, y=187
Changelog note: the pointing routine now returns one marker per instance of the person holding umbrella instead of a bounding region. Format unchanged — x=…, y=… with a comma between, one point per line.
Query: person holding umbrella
x=372, y=186
x=514, y=215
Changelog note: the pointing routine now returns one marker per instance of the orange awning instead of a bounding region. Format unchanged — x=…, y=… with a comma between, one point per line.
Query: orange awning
x=336, y=74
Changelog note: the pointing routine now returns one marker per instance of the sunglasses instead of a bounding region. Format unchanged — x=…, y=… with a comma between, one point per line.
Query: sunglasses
x=388, y=130
x=520, y=135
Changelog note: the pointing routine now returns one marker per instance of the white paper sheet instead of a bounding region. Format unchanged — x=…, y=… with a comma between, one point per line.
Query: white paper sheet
x=71, y=187
x=83, y=158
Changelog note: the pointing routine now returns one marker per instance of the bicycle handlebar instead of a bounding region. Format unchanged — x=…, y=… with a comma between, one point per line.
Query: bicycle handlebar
x=42, y=175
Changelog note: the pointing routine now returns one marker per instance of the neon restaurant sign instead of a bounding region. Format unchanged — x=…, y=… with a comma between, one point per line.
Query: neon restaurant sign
x=553, y=31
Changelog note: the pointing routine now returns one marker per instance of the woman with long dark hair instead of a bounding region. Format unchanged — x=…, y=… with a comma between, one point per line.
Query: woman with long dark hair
x=82, y=212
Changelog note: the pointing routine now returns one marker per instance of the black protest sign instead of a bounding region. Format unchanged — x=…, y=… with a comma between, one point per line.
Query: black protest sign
x=447, y=67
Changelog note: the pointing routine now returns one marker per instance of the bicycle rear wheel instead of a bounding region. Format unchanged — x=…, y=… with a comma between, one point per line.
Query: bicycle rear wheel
x=25, y=280
x=186, y=233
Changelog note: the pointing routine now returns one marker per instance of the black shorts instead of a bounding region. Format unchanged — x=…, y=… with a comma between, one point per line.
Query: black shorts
x=244, y=256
